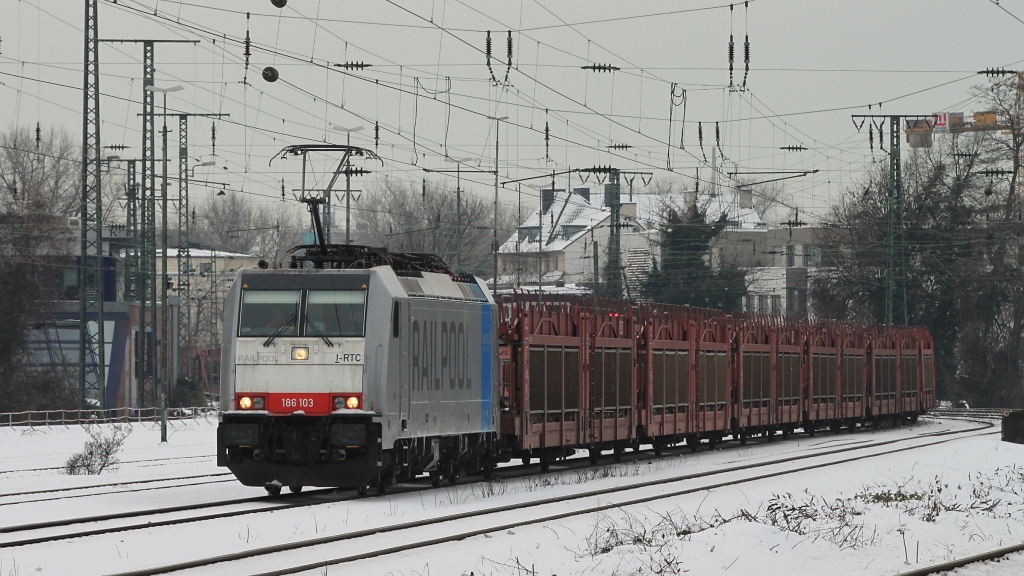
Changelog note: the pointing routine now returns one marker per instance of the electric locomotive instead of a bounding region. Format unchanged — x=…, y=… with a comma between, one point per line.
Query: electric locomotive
x=356, y=367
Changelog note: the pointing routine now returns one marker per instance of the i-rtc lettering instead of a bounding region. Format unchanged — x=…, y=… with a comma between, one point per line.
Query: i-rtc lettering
x=347, y=358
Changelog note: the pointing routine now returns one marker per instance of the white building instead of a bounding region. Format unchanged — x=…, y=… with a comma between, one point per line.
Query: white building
x=556, y=242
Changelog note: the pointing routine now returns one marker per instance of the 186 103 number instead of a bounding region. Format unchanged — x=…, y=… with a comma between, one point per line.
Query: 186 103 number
x=297, y=402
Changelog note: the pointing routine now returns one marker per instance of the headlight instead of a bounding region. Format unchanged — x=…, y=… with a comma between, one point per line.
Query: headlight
x=300, y=353
x=245, y=402
x=257, y=402
x=352, y=403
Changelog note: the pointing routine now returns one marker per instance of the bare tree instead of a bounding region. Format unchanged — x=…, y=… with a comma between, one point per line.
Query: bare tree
x=407, y=218
x=235, y=223
x=45, y=173
x=40, y=190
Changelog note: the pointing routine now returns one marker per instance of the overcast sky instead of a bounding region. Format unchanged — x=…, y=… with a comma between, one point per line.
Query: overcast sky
x=813, y=64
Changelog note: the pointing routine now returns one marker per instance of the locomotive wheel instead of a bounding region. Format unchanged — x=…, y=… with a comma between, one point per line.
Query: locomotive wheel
x=362, y=491
x=273, y=489
x=382, y=487
x=435, y=479
x=295, y=489
x=453, y=476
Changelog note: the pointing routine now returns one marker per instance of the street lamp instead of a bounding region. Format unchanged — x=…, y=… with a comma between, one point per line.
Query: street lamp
x=458, y=209
x=203, y=165
x=497, y=124
x=162, y=372
x=348, y=183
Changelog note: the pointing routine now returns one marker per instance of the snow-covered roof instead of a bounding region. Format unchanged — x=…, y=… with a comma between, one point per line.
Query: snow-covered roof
x=572, y=216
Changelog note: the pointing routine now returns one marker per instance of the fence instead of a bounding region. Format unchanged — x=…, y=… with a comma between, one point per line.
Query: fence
x=65, y=417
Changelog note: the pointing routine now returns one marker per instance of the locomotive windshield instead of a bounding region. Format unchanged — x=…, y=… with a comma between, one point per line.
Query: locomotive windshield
x=265, y=312
x=335, y=312
x=327, y=313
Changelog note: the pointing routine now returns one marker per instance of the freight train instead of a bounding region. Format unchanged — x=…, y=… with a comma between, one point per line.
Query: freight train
x=356, y=367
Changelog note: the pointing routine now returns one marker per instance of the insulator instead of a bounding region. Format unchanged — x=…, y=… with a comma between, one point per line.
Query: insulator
x=487, y=51
x=547, y=140
x=360, y=65
x=732, y=54
x=718, y=134
x=746, y=59
x=248, y=43
x=871, y=136
x=508, y=68
x=282, y=188
x=39, y=133
x=376, y=134
x=213, y=138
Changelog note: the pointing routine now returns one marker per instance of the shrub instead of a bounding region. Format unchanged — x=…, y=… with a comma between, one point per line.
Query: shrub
x=100, y=452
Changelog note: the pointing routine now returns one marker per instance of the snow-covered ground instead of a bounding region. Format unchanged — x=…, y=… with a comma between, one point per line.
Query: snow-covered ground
x=879, y=515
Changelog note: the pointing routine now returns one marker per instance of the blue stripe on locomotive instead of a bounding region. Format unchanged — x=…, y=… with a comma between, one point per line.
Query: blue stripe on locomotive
x=486, y=365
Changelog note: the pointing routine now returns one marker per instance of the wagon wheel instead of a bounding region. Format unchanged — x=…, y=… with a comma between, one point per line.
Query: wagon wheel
x=435, y=478
x=595, y=456
x=294, y=489
x=273, y=489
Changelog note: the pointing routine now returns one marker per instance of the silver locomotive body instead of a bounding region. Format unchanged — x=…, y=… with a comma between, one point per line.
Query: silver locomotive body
x=357, y=377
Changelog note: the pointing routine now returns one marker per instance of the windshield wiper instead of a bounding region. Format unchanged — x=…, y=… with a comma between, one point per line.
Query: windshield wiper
x=278, y=332
x=319, y=333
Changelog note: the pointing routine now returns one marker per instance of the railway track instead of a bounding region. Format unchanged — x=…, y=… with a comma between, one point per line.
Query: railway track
x=293, y=557
x=962, y=562
x=220, y=477
x=967, y=412
x=144, y=462
x=46, y=531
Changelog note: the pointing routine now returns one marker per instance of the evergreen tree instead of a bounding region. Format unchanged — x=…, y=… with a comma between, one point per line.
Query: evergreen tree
x=685, y=274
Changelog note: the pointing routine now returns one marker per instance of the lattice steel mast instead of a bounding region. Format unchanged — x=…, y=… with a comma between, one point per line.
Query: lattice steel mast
x=90, y=261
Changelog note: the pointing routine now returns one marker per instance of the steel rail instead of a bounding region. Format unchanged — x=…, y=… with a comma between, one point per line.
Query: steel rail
x=286, y=547
x=954, y=564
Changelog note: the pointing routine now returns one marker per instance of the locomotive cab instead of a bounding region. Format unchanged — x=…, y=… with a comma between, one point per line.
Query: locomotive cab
x=352, y=378
x=295, y=344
